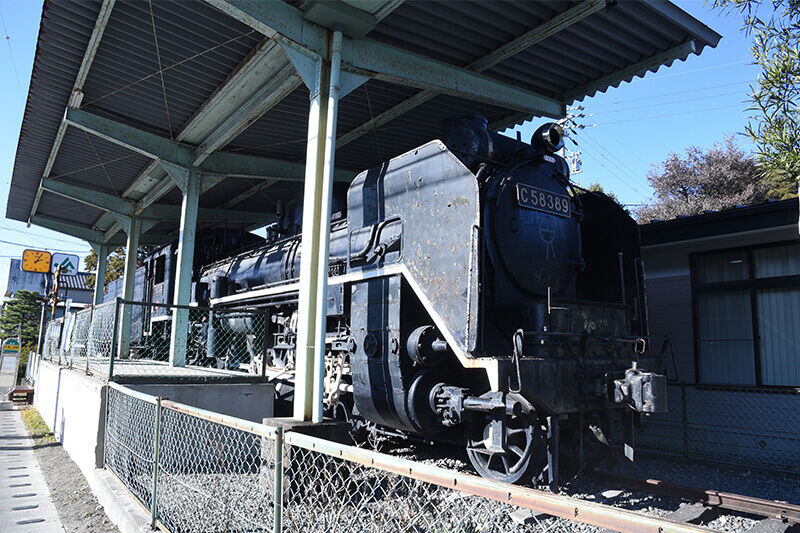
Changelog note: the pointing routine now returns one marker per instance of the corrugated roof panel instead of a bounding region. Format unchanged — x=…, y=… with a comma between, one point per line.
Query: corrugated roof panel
x=199, y=48
x=47, y=96
x=90, y=161
x=67, y=210
x=196, y=51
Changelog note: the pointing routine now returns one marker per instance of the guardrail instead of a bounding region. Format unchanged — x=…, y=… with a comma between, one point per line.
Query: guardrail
x=194, y=470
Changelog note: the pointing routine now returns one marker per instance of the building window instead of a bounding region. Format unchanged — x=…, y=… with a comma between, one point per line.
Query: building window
x=747, y=307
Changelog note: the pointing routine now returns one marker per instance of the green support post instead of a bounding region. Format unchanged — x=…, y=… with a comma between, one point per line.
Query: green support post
x=114, y=339
x=278, y=527
x=156, y=453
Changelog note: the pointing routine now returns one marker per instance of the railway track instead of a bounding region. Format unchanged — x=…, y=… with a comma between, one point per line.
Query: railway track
x=704, y=504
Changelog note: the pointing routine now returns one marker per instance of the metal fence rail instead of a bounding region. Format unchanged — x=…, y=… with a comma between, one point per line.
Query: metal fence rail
x=750, y=426
x=217, y=474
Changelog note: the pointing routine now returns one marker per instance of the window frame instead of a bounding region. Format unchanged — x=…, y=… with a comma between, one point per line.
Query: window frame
x=752, y=285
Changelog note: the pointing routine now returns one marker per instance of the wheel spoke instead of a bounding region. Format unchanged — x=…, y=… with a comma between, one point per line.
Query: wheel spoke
x=517, y=450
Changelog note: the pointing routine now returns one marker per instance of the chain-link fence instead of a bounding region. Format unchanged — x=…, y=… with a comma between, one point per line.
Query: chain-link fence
x=209, y=343
x=220, y=474
x=751, y=426
x=133, y=340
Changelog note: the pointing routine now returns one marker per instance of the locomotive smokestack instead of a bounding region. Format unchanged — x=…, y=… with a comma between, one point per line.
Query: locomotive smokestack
x=548, y=138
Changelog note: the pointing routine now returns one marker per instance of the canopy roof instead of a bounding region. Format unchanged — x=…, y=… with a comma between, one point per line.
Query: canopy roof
x=123, y=88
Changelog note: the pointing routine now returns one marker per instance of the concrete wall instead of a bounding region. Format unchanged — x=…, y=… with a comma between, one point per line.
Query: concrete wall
x=72, y=405
x=250, y=401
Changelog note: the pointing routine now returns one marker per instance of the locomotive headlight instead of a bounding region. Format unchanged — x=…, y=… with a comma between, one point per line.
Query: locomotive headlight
x=549, y=138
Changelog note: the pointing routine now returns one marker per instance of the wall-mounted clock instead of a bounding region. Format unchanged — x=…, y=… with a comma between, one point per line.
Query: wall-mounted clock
x=36, y=261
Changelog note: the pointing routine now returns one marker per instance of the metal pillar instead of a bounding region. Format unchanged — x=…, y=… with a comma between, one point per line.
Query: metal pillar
x=133, y=228
x=99, y=282
x=325, y=223
x=310, y=297
x=190, y=186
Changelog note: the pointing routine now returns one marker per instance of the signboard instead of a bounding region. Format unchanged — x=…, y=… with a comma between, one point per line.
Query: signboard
x=11, y=347
x=542, y=200
x=68, y=263
x=9, y=361
x=36, y=261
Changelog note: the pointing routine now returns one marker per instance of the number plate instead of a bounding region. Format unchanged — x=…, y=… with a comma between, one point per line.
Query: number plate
x=541, y=200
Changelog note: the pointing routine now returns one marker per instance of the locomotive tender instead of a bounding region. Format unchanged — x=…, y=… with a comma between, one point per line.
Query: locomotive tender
x=473, y=295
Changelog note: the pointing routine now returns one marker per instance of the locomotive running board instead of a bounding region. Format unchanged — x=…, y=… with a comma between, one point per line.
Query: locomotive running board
x=490, y=365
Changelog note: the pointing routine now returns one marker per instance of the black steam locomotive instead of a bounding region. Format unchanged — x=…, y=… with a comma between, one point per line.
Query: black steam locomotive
x=473, y=295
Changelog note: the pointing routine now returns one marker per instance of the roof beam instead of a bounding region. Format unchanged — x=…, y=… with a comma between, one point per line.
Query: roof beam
x=93, y=236
x=247, y=194
x=281, y=86
x=88, y=196
x=183, y=154
x=682, y=51
x=523, y=42
x=286, y=24
x=173, y=212
x=126, y=208
x=390, y=63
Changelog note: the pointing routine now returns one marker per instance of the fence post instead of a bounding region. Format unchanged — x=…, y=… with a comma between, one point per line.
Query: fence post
x=156, y=454
x=685, y=421
x=278, y=496
x=114, y=339
x=88, y=333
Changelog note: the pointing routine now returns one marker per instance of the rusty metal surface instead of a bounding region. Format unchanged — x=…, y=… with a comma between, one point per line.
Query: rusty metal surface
x=714, y=498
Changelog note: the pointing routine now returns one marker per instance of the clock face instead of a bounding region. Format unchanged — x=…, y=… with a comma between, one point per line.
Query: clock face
x=36, y=261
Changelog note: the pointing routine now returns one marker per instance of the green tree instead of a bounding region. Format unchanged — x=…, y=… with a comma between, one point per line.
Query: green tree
x=703, y=180
x=24, y=309
x=775, y=95
x=596, y=187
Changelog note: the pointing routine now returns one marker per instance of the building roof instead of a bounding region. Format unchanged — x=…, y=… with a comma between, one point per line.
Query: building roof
x=739, y=219
x=118, y=84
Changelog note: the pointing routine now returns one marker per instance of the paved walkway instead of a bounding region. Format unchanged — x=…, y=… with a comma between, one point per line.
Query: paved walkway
x=25, y=504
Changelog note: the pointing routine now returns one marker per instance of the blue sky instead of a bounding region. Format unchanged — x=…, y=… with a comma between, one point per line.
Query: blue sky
x=629, y=129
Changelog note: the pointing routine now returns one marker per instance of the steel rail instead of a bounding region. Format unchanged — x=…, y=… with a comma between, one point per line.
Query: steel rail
x=712, y=498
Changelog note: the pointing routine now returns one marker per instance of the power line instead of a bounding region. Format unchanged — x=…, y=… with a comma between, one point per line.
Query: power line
x=657, y=77
x=614, y=174
x=38, y=237
x=671, y=114
x=11, y=52
x=630, y=172
x=28, y=246
x=672, y=94
x=608, y=133
x=624, y=109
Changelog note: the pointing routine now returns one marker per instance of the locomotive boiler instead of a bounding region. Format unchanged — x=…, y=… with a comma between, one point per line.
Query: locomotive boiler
x=473, y=295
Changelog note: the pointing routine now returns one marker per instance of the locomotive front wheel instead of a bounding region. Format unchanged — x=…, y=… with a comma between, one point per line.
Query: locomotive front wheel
x=522, y=446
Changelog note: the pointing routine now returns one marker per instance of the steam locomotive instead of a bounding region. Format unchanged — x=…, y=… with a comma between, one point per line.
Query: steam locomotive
x=474, y=295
